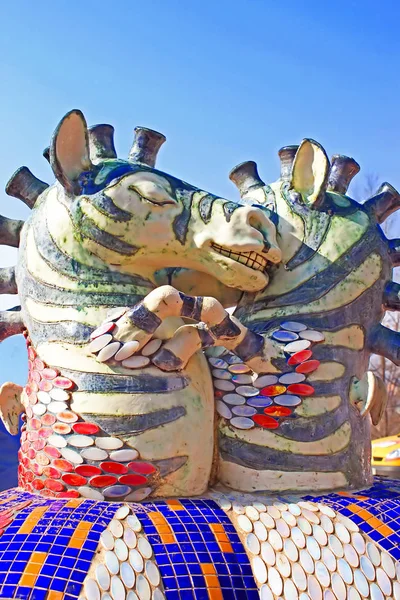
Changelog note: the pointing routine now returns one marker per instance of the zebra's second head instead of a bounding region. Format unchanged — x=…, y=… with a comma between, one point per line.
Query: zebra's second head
x=137, y=219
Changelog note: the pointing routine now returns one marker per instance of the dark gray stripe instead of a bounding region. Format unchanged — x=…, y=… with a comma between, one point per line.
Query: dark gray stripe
x=181, y=222
x=251, y=345
x=192, y=306
x=319, y=285
x=63, y=331
x=227, y=329
x=125, y=384
x=166, y=360
x=127, y=425
x=261, y=458
x=143, y=318
x=106, y=206
x=314, y=428
x=205, y=207
x=355, y=312
x=69, y=267
x=229, y=208
x=89, y=229
x=47, y=294
x=66, y=265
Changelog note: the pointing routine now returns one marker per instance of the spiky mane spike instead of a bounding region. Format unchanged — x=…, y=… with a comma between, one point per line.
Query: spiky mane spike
x=7, y=281
x=10, y=230
x=385, y=202
x=46, y=153
x=146, y=145
x=385, y=342
x=10, y=323
x=391, y=296
x=394, y=251
x=245, y=176
x=25, y=186
x=286, y=157
x=101, y=142
x=343, y=169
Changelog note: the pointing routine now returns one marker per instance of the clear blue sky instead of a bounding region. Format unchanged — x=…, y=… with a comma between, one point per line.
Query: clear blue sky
x=226, y=81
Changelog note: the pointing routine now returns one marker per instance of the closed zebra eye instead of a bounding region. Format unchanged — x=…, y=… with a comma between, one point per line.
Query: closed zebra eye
x=153, y=192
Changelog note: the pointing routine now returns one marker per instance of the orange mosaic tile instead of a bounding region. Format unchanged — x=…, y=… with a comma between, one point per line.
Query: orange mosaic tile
x=175, y=504
x=221, y=537
x=163, y=528
x=32, y=569
x=80, y=535
x=32, y=519
x=212, y=581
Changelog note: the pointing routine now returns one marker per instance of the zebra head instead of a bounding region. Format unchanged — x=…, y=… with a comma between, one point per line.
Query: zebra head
x=137, y=219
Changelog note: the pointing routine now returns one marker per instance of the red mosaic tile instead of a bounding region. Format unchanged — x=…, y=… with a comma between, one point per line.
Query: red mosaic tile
x=48, y=419
x=35, y=423
x=299, y=357
x=38, y=444
x=45, y=432
x=69, y=494
x=63, y=382
x=219, y=393
x=45, y=385
x=67, y=416
x=31, y=353
x=143, y=468
x=132, y=479
x=63, y=465
x=29, y=476
x=48, y=373
x=265, y=421
x=5, y=523
x=42, y=459
x=73, y=479
x=35, y=375
x=105, y=328
x=102, y=481
x=52, y=451
x=39, y=364
x=277, y=411
x=51, y=472
x=114, y=467
x=33, y=436
x=61, y=428
x=87, y=470
x=301, y=389
x=38, y=484
x=28, y=390
x=36, y=468
x=54, y=485
x=31, y=453
x=308, y=366
x=273, y=390
x=33, y=398
x=85, y=428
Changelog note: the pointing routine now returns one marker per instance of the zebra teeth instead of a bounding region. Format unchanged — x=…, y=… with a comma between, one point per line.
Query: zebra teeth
x=249, y=259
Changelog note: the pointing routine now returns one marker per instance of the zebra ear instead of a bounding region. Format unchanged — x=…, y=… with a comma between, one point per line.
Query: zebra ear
x=69, y=151
x=310, y=172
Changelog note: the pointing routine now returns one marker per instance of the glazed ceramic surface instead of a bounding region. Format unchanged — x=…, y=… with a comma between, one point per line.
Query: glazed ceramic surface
x=169, y=447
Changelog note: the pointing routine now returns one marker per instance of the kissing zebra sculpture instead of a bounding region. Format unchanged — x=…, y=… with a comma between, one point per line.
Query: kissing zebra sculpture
x=137, y=479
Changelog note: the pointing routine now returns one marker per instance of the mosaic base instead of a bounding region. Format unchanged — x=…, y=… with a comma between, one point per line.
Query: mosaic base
x=202, y=549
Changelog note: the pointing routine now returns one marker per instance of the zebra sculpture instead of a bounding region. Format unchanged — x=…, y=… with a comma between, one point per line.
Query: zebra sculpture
x=165, y=442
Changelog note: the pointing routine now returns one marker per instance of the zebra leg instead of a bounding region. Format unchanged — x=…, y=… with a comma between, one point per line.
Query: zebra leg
x=216, y=327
